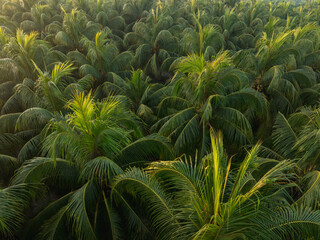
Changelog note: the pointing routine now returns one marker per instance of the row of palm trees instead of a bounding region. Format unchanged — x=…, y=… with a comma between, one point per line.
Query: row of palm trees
x=159, y=119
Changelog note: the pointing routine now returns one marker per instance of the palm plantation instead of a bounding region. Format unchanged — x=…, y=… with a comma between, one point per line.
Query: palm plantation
x=144, y=119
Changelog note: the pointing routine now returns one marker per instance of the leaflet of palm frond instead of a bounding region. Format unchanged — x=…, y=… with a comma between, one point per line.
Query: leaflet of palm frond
x=117, y=37
x=229, y=81
x=10, y=144
x=7, y=122
x=128, y=27
x=213, y=37
x=27, y=134
x=135, y=220
x=63, y=39
x=3, y=37
x=187, y=135
x=2, y=102
x=231, y=46
x=139, y=83
x=238, y=28
x=127, y=103
x=31, y=149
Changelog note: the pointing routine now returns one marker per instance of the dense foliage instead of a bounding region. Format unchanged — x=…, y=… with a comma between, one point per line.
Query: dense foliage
x=168, y=119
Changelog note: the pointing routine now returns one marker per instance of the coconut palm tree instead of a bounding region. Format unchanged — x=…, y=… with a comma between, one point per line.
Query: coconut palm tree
x=153, y=43
x=296, y=138
x=209, y=93
x=138, y=92
x=27, y=112
x=92, y=91
x=24, y=49
x=204, y=199
x=84, y=151
x=207, y=40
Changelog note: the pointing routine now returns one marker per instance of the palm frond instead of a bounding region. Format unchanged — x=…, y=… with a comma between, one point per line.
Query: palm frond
x=101, y=169
x=14, y=200
x=77, y=210
x=150, y=192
